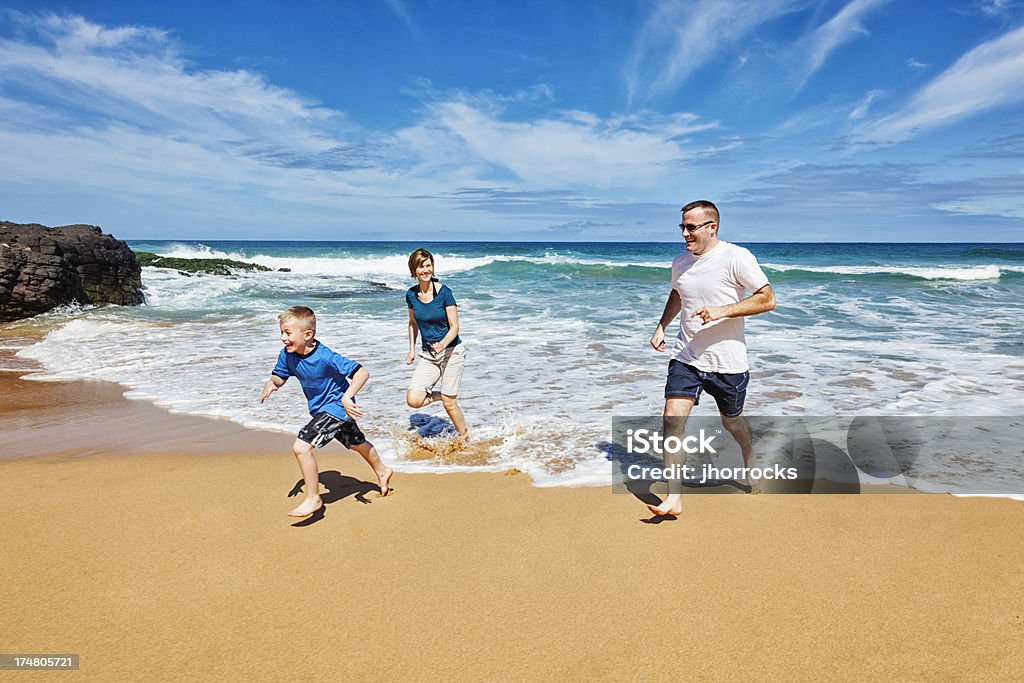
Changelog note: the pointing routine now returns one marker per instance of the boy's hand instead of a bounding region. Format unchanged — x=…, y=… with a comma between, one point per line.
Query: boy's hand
x=351, y=407
x=268, y=389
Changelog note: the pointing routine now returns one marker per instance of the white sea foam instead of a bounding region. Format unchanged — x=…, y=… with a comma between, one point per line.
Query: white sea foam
x=389, y=265
x=547, y=368
x=950, y=272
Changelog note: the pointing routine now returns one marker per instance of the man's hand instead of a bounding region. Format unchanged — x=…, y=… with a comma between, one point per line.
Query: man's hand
x=709, y=313
x=658, y=339
x=351, y=407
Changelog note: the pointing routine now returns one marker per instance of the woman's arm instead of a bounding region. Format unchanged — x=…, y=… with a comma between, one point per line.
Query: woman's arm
x=414, y=329
x=453, y=328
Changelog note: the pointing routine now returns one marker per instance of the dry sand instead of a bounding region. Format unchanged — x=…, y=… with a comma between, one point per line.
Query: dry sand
x=157, y=547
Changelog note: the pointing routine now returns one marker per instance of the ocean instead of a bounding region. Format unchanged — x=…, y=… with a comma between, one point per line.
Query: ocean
x=557, y=341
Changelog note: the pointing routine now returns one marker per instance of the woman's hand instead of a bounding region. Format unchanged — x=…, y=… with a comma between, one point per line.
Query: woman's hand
x=438, y=347
x=410, y=358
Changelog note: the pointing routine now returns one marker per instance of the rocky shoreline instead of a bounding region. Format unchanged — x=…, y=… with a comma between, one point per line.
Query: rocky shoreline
x=200, y=266
x=43, y=267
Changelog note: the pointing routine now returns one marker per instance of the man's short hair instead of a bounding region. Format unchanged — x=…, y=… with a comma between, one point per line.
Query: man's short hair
x=702, y=204
x=417, y=258
x=303, y=315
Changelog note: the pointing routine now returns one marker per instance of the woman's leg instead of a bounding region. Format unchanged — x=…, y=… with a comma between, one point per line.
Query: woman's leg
x=455, y=413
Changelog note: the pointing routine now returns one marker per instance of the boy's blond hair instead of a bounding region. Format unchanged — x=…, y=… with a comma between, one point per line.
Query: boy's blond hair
x=303, y=315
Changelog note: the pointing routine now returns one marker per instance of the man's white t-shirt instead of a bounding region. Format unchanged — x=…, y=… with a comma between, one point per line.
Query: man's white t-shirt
x=715, y=278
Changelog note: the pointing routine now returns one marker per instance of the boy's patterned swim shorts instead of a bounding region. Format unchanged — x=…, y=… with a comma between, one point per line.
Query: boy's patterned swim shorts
x=324, y=427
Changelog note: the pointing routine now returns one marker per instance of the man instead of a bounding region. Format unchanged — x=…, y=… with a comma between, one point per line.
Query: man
x=709, y=280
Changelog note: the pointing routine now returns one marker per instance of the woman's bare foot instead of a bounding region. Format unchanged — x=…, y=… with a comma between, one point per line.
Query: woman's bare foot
x=308, y=507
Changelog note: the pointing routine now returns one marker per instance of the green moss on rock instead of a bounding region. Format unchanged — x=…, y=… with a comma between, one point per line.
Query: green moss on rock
x=207, y=266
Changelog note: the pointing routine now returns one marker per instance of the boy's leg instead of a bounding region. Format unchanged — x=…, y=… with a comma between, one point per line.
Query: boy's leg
x=311, y=475
x=383, y=472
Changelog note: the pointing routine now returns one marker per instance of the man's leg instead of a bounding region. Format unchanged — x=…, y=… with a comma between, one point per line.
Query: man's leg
x=740, y=430
x=677, y=409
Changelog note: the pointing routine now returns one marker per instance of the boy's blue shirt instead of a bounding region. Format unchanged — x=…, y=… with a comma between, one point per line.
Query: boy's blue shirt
x=323, y=375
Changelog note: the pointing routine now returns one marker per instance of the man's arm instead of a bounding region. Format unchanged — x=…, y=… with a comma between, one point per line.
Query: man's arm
x=761, y=301
x=672, y=308
x=272, y=385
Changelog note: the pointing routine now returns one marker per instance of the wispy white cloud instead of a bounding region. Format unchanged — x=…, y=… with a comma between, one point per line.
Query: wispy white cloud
x=1000, y=8
x=914, y=63
x=862, y=107
x=987, y=77
x=680, y=36
x=129, y=117
x=558, y=149
x=402, y=12
x=137, y=75
x=837, y=31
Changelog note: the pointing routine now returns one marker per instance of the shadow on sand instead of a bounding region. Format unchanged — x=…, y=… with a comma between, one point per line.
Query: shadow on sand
x=339, y=486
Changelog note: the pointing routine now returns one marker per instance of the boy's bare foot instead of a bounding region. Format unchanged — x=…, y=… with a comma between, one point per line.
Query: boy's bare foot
x=669, y=507
x=308, y=507
x=382, y=482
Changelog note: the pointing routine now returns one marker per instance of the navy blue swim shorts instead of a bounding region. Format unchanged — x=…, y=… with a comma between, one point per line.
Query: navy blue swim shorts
x=729, y=390
x=324, y=427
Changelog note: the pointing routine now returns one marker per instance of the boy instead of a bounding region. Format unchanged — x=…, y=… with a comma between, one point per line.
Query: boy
x=325, y=379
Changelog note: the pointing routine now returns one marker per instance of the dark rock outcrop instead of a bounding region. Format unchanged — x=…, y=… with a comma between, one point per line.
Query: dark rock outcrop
x=41, y=268
x=201, y=266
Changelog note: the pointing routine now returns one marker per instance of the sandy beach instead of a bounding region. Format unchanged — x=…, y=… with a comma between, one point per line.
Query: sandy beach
x=156, y=546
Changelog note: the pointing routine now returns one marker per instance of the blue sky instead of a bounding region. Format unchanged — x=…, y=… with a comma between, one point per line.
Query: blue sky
x=804, y=120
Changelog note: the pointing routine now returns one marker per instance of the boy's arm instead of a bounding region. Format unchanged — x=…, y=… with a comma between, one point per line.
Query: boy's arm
x=359, y=378
x=272, y=385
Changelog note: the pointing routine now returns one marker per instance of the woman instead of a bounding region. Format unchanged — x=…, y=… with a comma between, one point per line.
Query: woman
x=434, y=316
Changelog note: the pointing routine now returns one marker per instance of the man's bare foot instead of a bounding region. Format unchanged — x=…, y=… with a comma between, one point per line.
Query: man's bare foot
x=382, y=482
x=308, y=507
x=671, y=507
x=751, y=481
